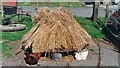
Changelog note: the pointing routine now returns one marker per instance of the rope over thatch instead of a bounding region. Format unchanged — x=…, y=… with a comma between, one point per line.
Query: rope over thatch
x=55, y=29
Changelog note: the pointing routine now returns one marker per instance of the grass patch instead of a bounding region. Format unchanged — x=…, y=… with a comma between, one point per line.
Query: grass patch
x=17, y=35
x=0, y=19
x=6, y=49
x=102, y=19
x=100, y=23
x=13, y=17
x=89, y=27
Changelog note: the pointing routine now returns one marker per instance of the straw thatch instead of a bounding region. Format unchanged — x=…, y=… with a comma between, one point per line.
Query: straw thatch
x=55, y=30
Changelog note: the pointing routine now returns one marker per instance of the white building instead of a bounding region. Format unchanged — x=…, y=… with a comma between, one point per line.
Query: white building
x=118, y=2
x=118, y=5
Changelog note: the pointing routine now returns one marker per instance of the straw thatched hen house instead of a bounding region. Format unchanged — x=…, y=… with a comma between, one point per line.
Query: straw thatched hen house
x=55, y=30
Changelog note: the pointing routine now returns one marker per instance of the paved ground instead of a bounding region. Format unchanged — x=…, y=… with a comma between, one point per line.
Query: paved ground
x=108, y=58
x=78, y=11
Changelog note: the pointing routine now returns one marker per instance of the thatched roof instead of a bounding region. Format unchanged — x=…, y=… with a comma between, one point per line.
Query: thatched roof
x=56, y=29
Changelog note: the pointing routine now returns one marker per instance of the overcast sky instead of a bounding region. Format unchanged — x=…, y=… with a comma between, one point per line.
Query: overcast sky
x=116, y=1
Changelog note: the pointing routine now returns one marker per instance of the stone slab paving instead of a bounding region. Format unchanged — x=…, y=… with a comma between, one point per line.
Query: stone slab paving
x=91, y=60
x=108, y=56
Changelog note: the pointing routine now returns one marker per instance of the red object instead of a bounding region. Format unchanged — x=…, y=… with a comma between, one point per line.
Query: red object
x=36, y=55
x=32, y=59
x=24, y=12
x=9, y=2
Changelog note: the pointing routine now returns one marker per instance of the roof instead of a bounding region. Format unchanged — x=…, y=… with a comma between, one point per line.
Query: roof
x=56, y=31
x=7, y=3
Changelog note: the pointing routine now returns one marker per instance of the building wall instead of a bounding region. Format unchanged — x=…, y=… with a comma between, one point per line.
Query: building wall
x=9, y=3
x=118, y=5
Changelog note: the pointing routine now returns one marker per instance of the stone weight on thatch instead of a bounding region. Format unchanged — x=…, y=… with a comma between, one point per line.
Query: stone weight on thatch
x=55, y=30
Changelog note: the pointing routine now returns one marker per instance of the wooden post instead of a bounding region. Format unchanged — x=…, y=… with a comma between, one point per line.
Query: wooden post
x=49, y=3
x=107, y=11
x=82, y=24
x=68, y=6
x=95, y=11
x=2, y=11
x=37, y=5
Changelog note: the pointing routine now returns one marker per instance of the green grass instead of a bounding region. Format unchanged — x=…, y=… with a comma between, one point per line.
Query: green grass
x=13, y=17
x=53, y=4
x=102, y=19
x=6, y=49
x=89, y=27
x=0, y=19
x=17, y=35
x=100, y=24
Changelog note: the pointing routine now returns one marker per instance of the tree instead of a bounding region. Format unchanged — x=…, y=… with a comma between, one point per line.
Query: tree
x=95, y=10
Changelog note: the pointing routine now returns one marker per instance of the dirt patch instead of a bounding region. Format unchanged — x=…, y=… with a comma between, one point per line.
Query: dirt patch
x=18, y=60
x=15, y=60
